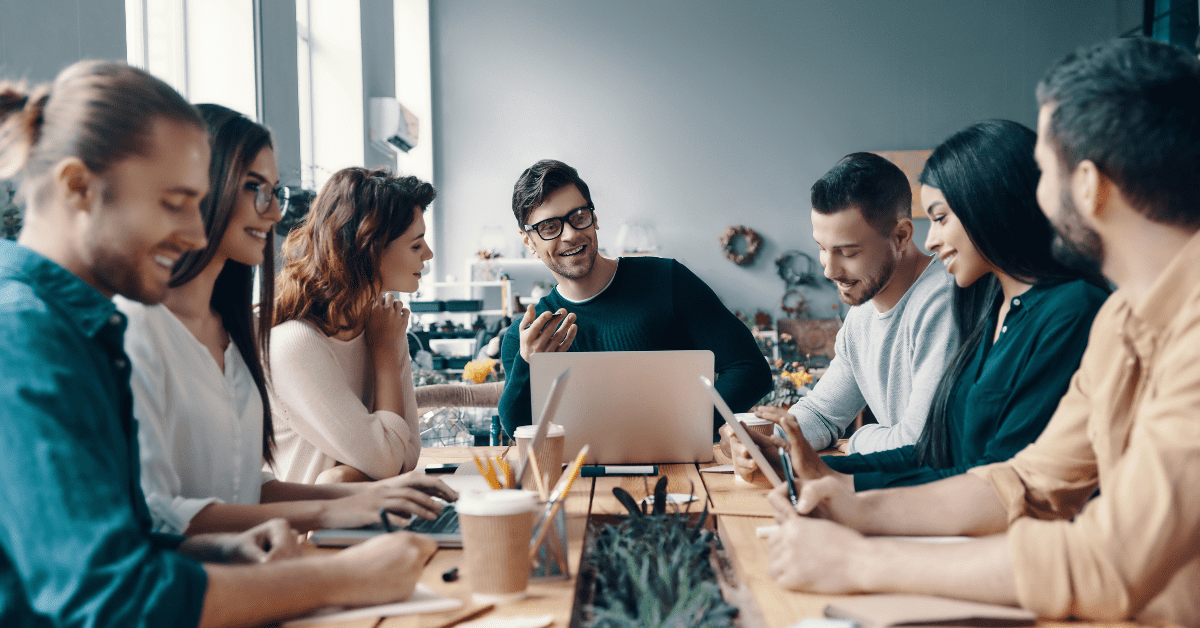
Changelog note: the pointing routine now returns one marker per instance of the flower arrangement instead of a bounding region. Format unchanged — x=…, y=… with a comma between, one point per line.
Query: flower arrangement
x=485, y=370
x=790, y=385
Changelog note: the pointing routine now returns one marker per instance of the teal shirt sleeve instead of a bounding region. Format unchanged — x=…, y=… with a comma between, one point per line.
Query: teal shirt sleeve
x=743, y=376
x=75, y=550
x=1013, y=399
x=889, y=460
x=515, y=401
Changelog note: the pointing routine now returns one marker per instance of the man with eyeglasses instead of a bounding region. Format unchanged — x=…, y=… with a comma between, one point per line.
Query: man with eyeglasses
x=607, y=304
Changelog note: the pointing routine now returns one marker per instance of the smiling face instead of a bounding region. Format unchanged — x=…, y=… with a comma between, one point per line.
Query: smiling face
x=404, y=258
x=948, y=239
x=571, y=255
x=1075, y=243
x=857, y=258
x=148, y=214
x=245, y=238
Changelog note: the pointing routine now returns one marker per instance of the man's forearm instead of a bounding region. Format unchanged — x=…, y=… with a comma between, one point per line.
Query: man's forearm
x=978, y=570
x=258, y=594
x=960, y=505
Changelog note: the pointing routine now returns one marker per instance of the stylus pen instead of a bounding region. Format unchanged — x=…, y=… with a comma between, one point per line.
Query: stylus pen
x=595, y=471
x=788, y=475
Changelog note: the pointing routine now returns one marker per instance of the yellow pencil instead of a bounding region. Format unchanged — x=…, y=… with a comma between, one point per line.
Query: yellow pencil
x=488, y=474
x=571, y=474
x=537, y=477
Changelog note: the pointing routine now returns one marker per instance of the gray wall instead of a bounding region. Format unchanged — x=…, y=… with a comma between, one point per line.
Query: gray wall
x=379, y=69
x=697, y=115
x=38, y=38
x=280, y=85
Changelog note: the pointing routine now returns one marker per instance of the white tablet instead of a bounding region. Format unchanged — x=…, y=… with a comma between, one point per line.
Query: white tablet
x=740, y=431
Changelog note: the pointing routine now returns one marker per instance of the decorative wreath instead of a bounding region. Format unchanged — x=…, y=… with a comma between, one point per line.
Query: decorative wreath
x=799, y=309
x=752, y=239
x=796, y=274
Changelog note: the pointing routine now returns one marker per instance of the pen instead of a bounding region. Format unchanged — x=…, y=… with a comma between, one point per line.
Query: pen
x=788, y=474
x=595, y=471
x=383, y=518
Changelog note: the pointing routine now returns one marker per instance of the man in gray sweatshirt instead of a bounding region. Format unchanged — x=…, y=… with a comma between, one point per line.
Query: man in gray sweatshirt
x=899, y=335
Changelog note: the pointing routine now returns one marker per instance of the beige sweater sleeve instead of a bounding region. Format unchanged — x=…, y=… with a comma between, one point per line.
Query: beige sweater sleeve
x=318, y=398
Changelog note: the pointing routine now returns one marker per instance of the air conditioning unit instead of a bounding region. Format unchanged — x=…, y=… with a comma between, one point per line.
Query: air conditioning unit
x=392, y=126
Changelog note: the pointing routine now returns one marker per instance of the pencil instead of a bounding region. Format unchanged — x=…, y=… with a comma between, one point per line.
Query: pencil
x=537, y=477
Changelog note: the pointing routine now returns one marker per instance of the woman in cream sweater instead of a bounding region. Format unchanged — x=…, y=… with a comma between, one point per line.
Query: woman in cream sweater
x=343, y=390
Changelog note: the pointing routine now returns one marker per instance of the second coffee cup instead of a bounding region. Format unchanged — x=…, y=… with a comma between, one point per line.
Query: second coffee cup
x=549, y=455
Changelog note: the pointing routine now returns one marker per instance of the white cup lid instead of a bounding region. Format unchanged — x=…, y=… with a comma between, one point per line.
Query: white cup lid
x=496, y=503
x=529, y=431
x=749, y=419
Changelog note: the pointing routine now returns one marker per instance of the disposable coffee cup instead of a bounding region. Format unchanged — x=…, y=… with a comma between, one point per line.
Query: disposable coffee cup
x=497, y=527
x=549, y=455
x=755, y=424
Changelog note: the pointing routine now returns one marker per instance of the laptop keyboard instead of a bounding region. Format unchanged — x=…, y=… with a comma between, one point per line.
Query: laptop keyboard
x=446, y=523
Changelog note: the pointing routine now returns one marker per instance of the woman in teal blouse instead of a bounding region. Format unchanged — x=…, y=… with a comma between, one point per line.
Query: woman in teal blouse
x=1023, y=316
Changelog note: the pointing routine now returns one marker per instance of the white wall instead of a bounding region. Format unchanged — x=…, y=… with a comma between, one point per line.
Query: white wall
x=695, y=115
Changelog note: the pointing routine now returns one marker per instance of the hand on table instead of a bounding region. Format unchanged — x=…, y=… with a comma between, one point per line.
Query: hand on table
x=387, y=566
x=743, y=465
x=409, y=493
x=268, y=541
x=814, y=555
x=546, y=333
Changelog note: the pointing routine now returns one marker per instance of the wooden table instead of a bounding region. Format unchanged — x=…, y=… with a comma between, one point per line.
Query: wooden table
x=760, y=600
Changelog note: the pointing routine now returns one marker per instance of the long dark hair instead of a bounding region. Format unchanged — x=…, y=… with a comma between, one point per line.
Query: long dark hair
x=989, y=178
x=330, y=275
x=236, y=142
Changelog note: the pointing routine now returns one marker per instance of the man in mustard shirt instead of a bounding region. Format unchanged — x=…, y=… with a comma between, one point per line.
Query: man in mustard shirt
x=1119, y=148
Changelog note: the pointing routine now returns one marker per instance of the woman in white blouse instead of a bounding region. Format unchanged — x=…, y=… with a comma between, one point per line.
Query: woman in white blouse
x=343, y=389
x=200, y=390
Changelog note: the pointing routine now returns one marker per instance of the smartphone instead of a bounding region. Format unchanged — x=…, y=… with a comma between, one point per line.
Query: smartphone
x=441, y=467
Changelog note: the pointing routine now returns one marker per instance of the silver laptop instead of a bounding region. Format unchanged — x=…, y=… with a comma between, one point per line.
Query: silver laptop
x=631, y=407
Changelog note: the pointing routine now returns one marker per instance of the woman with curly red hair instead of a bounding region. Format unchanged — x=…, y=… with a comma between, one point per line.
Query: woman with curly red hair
x=342, y=382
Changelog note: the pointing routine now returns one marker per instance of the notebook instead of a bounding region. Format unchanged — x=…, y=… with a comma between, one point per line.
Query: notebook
x=630, y=407
x=886, y=611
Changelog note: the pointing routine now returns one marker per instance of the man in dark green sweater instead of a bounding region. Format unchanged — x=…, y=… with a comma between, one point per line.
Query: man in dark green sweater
x=606, y=304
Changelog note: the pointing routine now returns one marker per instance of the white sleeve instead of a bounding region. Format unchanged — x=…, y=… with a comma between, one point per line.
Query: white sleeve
x=933, y=346
x=835, y=400
x=308, y=381
x=161, y=482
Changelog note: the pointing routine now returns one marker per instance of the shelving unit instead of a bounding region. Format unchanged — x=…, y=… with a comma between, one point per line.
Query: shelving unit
x=509, y=277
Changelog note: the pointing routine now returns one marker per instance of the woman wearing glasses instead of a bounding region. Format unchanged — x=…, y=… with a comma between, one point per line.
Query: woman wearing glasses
x=343, y=389
x=199, y=376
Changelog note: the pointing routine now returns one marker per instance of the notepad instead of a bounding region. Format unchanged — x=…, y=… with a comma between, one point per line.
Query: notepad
x=886, y=611
x=423, y=600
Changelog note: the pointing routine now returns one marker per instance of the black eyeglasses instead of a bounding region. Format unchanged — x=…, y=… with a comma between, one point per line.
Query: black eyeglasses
x=551, y=228
x=263, y=195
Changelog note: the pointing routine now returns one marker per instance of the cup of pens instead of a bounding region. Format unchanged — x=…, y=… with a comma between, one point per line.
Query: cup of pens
x=496, y=528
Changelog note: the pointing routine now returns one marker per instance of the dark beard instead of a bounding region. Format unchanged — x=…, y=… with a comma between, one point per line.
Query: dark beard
x=871, y=285
x=1075, y=244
